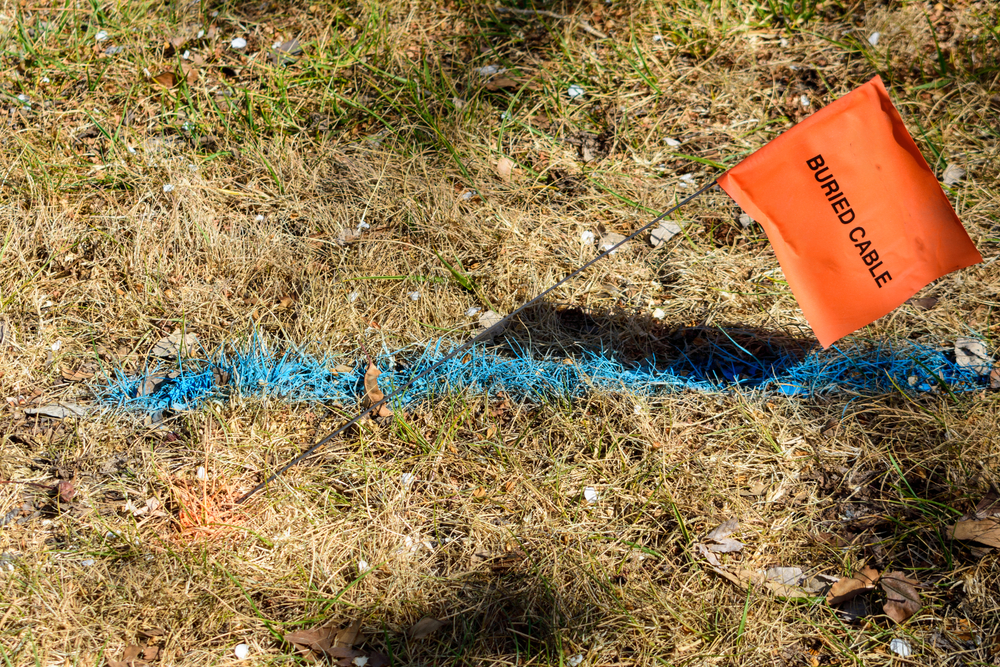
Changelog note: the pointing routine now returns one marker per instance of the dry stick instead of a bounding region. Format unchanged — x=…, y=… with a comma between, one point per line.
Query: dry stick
x=485, y=335
x=552, y=15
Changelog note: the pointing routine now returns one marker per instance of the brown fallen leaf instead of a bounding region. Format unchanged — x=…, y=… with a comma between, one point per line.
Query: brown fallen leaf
x=190, y=72
x=76, y=376
x=152, y=632
x=500, y=83
x=743, y=578
x=723, y=530
x=725, y=546
x=902, y=598
x=985, y=531
x=505, y=169
x=66, y=490
x=848, y=588
x=166, y=79
x=372, y=393
x=343, y=369
x=425, y=627
x=150, y=653
x=348, y=636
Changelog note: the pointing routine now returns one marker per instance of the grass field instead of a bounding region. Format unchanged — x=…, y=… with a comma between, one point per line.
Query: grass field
x=357, y=177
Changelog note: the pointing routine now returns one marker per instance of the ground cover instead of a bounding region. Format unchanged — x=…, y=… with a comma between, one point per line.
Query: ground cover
x=360, y=179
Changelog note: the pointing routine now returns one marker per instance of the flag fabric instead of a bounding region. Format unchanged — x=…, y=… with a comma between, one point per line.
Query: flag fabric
x=855, y=215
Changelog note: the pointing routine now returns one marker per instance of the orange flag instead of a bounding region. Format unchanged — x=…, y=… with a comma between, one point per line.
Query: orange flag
x=856, y=217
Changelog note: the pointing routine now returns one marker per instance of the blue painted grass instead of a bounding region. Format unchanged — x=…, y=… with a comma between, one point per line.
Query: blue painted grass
x=254, y=370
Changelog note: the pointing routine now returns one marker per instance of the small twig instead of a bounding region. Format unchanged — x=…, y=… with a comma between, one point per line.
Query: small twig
x=40, y=486
x=552, y=15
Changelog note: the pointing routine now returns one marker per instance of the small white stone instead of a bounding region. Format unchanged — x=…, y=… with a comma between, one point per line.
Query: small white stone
x=363, y=566
x=671, y=142
x=901, y=647
x=659, y=314
x=489, y=70
x=360, y=661
x=22, y=97
x=471, y=312
x=201, y=474
x=201, y=33
x=238, y=43
x=637, y=409
x=804, y=101
x=101, y=35
x=587, y=237
x=168, y=188
x=130, y=150
x=363, y=225
x=745, y=220
x=259, y=217
x=873, y=38
x=575, y=660
x=590, y=494
x=657, y=38
x=783, y=43
x=186, y=55
x=87, y=563
x=469, y=194
x=56, y=345
x=193, y=167
x=215, y=13
x=414, y=296
x=407, y=478
x=241, y=651
x=352, y=297
x=45, y=79
x=505, y=115
x=574, y=92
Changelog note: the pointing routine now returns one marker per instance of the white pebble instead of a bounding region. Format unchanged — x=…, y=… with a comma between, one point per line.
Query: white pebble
x=259, y=217
x=238, y=43
x=783, y=43
x=201, y=33
x=193, y=167
x=873, y=38
x=575, y=660
x=671, y=142
x=87, y=563
x=587, y=237
x=168, y=188
x=590, y=494
x=408, y=478
x=637, y=409
x=360, y=661
x=472, y=311
x=489, y=70
x=352, y=297
x=101, y=35
x=657, y=38
x=201, y=474
x=574, y=92
x=659, y=314
x=901, y=647
x=130, y=150
x=804, y=101
x=56, y=345
x=45, y=79
x=414, y=296
x=469, y=195
x=363, y=566
x=186, y=55
x=241, y=651
x=22, y=97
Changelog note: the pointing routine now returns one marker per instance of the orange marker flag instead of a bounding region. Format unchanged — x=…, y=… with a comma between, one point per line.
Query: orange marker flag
x=856, y=217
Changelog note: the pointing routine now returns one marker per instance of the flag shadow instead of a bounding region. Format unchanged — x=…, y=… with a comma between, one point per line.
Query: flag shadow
x=718, y=354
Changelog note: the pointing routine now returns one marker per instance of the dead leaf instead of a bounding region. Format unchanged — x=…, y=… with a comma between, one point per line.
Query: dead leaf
x=972, y=354
x=848, y=588
x=505, y=169
x=744, y=578
x=372, y=393
x=76, y=376
x=723, y=530
x=151, y=633
x=174, y=344
x=923, y=303
x=663, y=233
x=708, y=555
x=318, y=642
x=348, y=636
x=609, y=241
x=500, y=83
x=286, y=301
x=66, y=490
x=377, y=659
x=985, y=531
x=131, y=652
x=902, y=597
x=343, y=369
x=725, y=546
x=166, y=79
x=60, y=411
x=995, y=378
x=788, y=576
x=952, y=174
x=150, y=653
x=426, y=626
x=190, y=72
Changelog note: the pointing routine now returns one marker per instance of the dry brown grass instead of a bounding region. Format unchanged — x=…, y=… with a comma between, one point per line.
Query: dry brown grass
x=493, y=536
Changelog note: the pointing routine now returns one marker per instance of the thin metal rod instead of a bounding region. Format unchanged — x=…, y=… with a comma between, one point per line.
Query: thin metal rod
x=485, y=335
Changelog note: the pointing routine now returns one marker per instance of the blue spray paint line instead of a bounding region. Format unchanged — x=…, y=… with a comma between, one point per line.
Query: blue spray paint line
x=252, y=370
